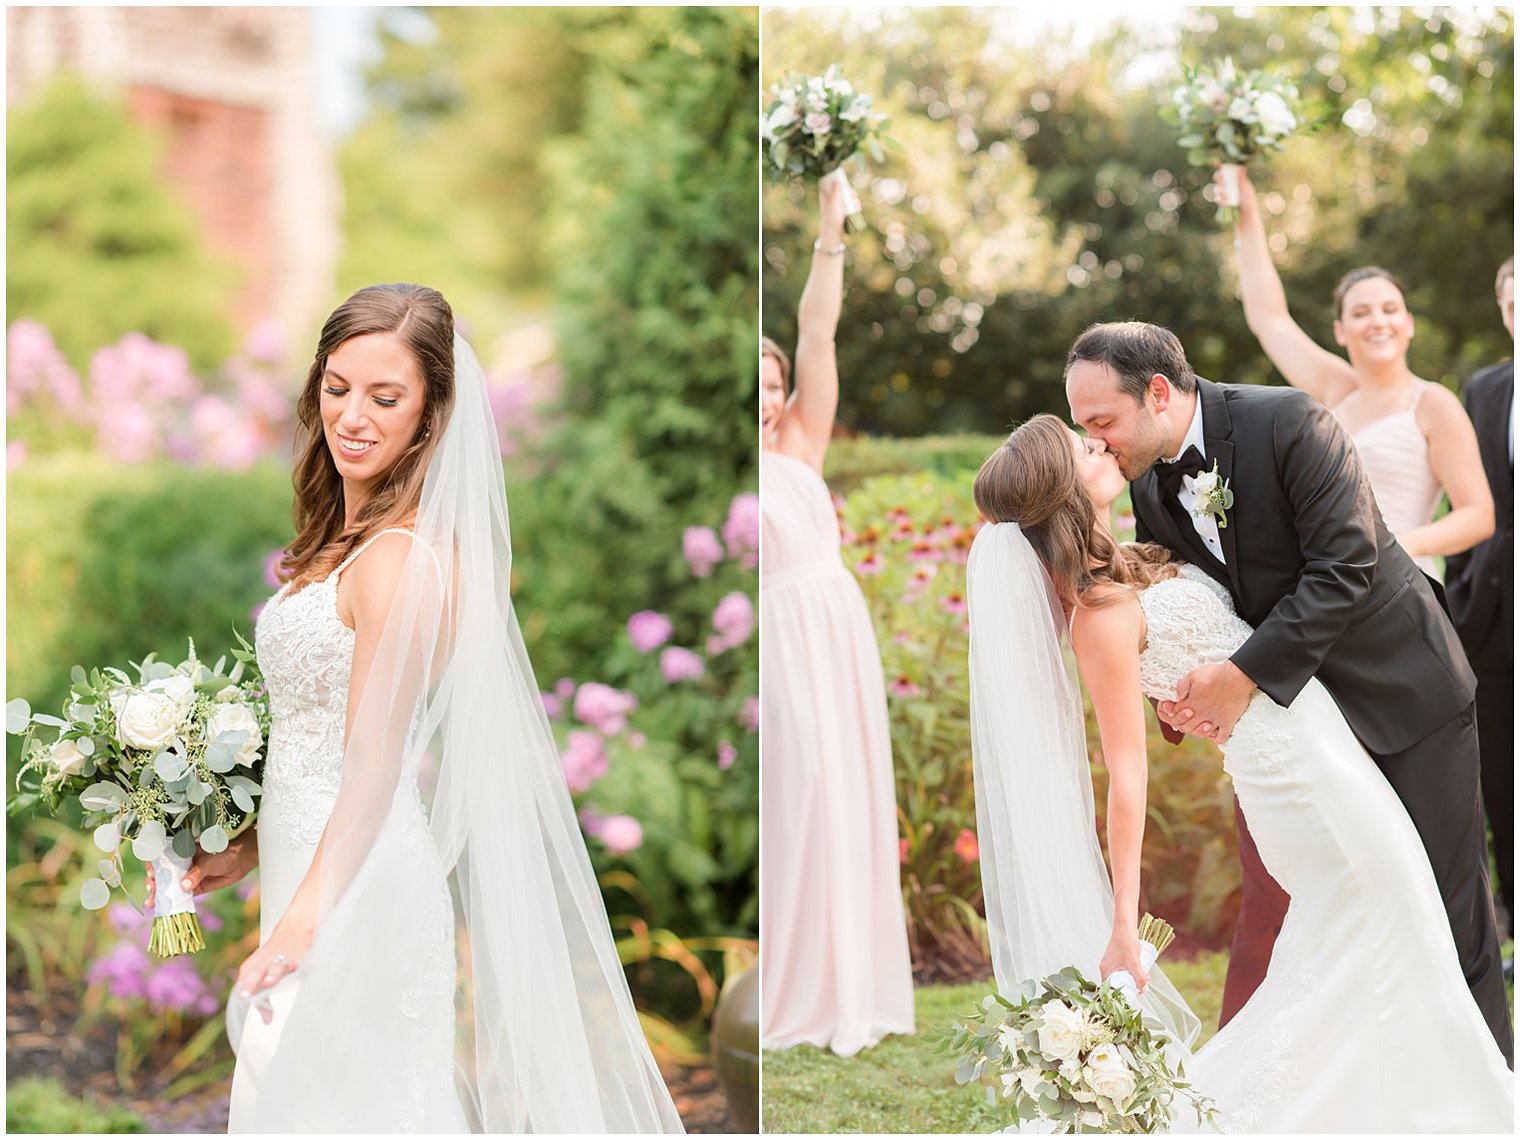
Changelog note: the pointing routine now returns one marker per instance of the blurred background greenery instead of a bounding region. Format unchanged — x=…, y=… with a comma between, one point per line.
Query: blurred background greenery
x=580, y=183
x=1039, y=191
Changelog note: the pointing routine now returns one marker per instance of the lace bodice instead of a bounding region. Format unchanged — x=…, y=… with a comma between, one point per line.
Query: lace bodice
x=306, y=654
x=1190, y=621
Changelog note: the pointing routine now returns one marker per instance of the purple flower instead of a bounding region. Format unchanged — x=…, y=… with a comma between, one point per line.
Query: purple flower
x=272, y=567
x=702, y=549
x=211, y=922
x=903, y=686
x=677, y=664
x=870, y=564
x=727, y=754
x=749, y=714
x=741, y=530
x=564, y=688
x=552, y=704
x=264, y=342
x=34, y=364
x=591, y=821
x=621, y=833
x=584, y=760
x=648, y=630
x=604, y=708
x=128, y=923
x=734, y=619
x=176, y=985
x=122, y=969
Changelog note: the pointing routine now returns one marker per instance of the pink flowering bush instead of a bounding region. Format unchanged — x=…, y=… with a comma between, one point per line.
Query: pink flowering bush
x=661, y=751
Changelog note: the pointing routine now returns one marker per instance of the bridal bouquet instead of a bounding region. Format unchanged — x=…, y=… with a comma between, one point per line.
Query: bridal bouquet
x=1073, y=1055
x=168, y=762
x=1228, y=117
x=817, y=123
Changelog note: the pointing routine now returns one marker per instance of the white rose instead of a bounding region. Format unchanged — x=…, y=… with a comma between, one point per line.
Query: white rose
x=67, y=758
x=145, y=720
x=1204, y=483
x=229, y=694
x=237, y=718
x=1275, y=116
x=818, y=124
x=1071, y=1071
x=1241, y=110
x=783, y=116
x=178, y=688
x=1213, y=94
x=1108, y=1074
x=1061, y=1031
x=1083, y=1096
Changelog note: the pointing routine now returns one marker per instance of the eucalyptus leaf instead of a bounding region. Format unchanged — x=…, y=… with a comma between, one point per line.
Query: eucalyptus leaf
x=107, y=838
x=214, y=839
x=197, y=791
x=241, y=797
x=78, y=676
x=94, y=894
x=170, y=767
x=149, y=844
x=18, y=715
x=183, y=842
x=221, y=758
x=109, y=872
x=86, y=745
x=104, y=796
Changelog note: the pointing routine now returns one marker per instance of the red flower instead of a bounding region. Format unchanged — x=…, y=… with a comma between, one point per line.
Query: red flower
x=965, y=845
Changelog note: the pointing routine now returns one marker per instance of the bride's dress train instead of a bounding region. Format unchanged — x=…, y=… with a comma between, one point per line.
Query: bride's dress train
x=1364, y=1022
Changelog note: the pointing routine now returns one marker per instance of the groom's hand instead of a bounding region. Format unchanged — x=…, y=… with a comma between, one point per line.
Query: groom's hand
x=1209, y=701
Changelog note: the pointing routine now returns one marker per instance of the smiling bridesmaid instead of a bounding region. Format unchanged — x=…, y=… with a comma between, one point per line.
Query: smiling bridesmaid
x=1413, y=436
x=833, y=943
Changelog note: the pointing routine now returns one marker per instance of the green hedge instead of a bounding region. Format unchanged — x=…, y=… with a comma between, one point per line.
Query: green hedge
x=34, y=1105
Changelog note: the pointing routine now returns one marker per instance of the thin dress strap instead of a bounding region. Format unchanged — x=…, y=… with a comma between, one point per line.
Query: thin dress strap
x=1419, y=390
x=363, y=546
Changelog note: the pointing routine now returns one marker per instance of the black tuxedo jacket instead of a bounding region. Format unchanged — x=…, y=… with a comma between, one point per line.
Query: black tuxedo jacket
x=1311, y=565
x=1480, y=583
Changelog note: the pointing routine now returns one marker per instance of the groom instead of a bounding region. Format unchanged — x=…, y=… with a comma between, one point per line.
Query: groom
x=1305, y=554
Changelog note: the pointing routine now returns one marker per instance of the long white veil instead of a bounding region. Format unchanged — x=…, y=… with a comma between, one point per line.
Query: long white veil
x=450, y=713
x=1048, y=895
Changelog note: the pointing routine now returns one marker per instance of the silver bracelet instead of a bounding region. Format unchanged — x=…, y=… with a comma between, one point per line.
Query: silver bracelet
x=818, y=248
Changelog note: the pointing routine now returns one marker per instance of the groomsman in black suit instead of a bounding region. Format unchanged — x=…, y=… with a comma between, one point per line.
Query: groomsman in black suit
x=1480, y=586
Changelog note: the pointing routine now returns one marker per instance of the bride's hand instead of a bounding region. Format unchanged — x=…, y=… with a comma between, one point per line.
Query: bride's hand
x=213, y=872
x=278, y=957
x=1123, y=953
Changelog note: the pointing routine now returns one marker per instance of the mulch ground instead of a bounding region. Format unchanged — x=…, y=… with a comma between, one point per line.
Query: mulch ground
x=43, y=1044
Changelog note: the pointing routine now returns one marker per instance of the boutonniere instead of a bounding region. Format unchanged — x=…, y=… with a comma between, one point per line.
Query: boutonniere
x=1212, y=496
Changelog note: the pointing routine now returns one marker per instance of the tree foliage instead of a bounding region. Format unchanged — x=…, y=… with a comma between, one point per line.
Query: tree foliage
x=98, y=244
x=1040, y=191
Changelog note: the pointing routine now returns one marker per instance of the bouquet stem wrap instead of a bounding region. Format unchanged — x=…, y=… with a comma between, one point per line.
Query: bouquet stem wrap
x=1124, y=982
x=855, y=219
x=176, y=930
x=1229, y=184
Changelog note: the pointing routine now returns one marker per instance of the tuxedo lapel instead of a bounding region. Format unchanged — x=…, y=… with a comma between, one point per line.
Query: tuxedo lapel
x=1172, y=527
x=1219, y=449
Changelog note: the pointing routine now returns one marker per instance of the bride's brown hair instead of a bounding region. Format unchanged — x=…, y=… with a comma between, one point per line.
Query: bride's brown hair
x=1032, y=480
x=423, y=322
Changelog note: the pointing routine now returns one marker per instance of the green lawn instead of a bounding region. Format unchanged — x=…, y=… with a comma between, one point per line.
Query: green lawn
x=900, y=1086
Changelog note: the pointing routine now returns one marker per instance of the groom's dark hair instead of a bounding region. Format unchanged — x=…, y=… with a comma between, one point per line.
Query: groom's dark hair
x=1135, y=351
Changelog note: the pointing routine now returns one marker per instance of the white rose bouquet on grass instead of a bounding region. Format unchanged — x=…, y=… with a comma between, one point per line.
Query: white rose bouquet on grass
x=817, y=123
x=1227, y=117
x=1074, y=1056
x=169, y=762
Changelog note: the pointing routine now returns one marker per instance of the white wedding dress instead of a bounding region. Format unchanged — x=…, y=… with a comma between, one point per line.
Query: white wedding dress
x=1363, y=1022
x=406, y=1069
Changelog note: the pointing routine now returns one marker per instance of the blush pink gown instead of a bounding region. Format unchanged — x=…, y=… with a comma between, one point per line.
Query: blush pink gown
x=1396, y=458
x=834, y=963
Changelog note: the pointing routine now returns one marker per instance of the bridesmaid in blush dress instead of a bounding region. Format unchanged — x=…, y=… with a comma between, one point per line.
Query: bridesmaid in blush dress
x=834, y=963
x=1413, y=437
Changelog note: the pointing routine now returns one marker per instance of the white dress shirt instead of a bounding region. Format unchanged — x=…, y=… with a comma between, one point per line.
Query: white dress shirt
x=1205, y=525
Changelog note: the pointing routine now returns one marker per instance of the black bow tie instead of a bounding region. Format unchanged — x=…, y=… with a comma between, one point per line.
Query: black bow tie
x=1170, y=474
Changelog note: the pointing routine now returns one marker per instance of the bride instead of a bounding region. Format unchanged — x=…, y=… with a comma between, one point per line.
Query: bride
x=435, y=955
x=1364, y=1022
